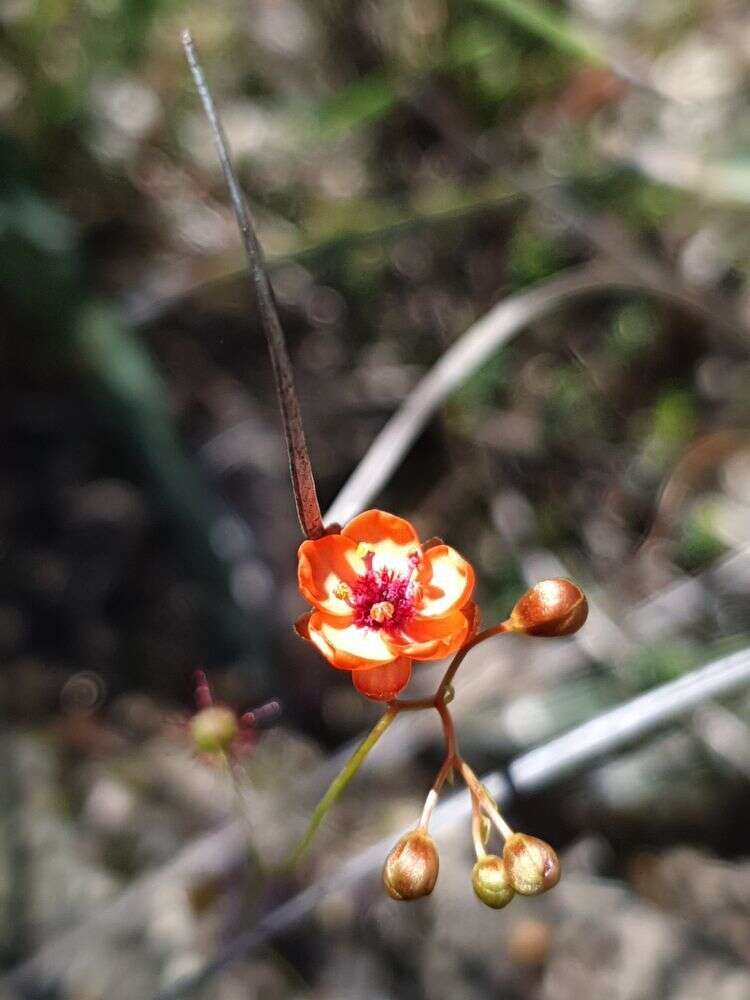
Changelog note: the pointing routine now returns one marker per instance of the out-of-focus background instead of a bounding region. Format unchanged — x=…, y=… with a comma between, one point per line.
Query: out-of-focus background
x=411, y=163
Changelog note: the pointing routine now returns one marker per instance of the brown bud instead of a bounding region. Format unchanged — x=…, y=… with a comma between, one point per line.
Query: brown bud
x=531, y=865
x=213, y=729
x=490, y=882
x=551, y=607
x=411, y=869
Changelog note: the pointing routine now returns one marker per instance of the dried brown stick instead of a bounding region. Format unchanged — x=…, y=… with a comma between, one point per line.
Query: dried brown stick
x=303, y=482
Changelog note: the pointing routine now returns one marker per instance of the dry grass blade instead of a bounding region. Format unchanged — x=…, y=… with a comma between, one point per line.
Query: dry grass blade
x=458, y=363
x=466, y=356
x=305, y=494
x=623, y=725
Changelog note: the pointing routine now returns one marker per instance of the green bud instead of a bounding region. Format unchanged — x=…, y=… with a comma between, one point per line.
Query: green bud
x=411, y=869
x=213, y=729
x=490, y=882
x=531, y=865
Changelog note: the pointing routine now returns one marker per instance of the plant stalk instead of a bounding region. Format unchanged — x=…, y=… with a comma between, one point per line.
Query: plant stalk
x=338, y=785
x=303, y=482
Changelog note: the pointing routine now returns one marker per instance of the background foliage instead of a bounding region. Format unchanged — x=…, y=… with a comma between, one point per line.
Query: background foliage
x=410, y=164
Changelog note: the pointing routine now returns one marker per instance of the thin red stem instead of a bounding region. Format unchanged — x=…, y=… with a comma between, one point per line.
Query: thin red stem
x=451, y=746
x=484, y=800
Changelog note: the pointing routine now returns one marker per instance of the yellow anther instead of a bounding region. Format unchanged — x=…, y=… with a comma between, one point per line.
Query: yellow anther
x=364, y=550
x=343, y=592
x=382, y=611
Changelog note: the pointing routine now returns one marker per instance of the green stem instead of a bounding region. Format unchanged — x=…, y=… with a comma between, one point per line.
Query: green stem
x=338, y=785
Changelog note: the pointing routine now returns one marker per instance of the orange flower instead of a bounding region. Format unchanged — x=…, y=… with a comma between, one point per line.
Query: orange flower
x=381, y=601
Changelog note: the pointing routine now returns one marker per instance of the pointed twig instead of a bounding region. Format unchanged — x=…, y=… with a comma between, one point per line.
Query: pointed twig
x=303, y=483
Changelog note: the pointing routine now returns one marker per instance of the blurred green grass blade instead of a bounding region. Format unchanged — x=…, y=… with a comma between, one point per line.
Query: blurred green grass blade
x=132, y=400
x=547, y=25
x=63, y=331
x=725, y=181
x=733, y=176
x=372, y=96
x=366, y=100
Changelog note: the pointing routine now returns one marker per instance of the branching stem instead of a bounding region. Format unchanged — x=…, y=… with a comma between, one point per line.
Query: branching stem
x=479, y=792
x=452, y=761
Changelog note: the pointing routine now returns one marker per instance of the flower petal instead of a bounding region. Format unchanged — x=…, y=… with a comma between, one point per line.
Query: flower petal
x=383, y=683
x=433, y=638
x=348, y=646
x=447, y=581
x=324, y=564
x=392, y=539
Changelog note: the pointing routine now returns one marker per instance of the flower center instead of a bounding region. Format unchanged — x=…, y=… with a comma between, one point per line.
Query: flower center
x=384, y=598
x=382, y=611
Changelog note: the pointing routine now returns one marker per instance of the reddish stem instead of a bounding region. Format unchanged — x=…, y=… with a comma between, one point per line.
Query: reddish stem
x=303, y=482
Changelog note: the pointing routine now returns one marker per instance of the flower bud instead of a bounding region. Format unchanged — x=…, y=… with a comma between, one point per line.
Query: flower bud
x=411, y=869
x=214, y=729
x=551, y=607
x=490, y=882
x=531, y=865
